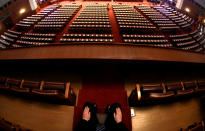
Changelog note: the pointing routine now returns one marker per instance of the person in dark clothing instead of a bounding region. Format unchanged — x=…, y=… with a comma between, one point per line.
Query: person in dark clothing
x=89, y=121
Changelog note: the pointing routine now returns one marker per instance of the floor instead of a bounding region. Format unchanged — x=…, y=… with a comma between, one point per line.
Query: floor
x=35, y=115
x=40, y=116
x=169, y=117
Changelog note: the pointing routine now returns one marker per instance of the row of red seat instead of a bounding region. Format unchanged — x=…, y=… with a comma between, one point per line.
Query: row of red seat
x=197, y=126
x=144, y=36
x=153, y=14
x=94, y=17
x=83, y=40
x=184, y=21
x=91, y=23
x=22, y=43
x=88, y=35
x=149, y=42
x=189, y=41
x=9, y=38
x=52, y=23
x=40, y=35
x=59, y=91
x=9, y=126
x=161, y=91
x=90, y=38
x=129, y=20
x=37, y=39
x=27, y=24
x=57, y=20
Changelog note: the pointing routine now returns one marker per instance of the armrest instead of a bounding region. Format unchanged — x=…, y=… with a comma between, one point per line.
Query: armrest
x=202, y=122
x=21, y=85
x=164, y=88
x=41, y=85
x=182, y=85
x=138, y=92
x=67, y=90
x=6, y=84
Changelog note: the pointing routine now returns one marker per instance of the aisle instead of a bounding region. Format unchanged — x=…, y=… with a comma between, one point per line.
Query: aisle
x=102, y=94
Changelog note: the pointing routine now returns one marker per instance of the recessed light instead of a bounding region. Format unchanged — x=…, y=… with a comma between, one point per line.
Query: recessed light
x=187, y=9
x=21, y=11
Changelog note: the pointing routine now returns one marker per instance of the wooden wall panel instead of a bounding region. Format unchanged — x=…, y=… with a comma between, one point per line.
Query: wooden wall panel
x=118, y=52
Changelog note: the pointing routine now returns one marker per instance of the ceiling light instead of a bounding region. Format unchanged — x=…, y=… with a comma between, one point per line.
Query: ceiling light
x=21, y=11
x=187, y=9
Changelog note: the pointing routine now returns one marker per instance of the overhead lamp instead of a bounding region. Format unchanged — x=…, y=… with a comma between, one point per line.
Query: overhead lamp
x=204, y=21
x=21, y=11
x=187, y=10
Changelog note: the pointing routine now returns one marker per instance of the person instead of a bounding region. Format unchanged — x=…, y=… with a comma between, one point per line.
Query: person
x=89, y=121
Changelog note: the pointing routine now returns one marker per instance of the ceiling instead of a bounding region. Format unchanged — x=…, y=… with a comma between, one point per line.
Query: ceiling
x=3, y=2
x=201, y=2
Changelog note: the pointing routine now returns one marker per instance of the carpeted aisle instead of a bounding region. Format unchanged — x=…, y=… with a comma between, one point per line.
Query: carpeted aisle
x=103, y=94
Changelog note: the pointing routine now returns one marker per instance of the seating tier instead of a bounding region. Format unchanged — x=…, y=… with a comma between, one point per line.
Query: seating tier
x=57, y=91
x=164, y=91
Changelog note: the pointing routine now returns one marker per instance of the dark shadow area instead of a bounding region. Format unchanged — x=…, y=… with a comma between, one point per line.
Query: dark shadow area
x=31, y=98
x=140, y=71
x=202, y=106
x=166, y=102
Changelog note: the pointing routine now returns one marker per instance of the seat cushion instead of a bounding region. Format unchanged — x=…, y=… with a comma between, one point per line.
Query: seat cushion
x=174, y=86
x=20, y=90
x=200, y=89
x=54, y=86
x=45, y=92
x=189, y=85
x=185, y=92
x=31, y=84
x=152, y=88
x=196, y=127
x=201, y=84
x=161, y=95
x=3, y=87
x=2, y=81
x=12, y=83
x=6, y=126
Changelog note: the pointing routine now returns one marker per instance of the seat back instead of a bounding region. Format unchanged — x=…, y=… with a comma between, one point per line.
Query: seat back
x=201, y=84
x=6, y=126
x=174, y=86
x=13, y=83
x=151, y=88
x=31, y=84
x=2, y=80
x=189, y=85
x=54, y=86
x=196, y=127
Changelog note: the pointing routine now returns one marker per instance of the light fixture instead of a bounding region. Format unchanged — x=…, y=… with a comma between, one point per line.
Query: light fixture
x=204, y=21
x=21, y=11
x=187, y=9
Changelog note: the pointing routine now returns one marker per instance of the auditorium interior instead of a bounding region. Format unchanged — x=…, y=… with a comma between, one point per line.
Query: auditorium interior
x=147, y=55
